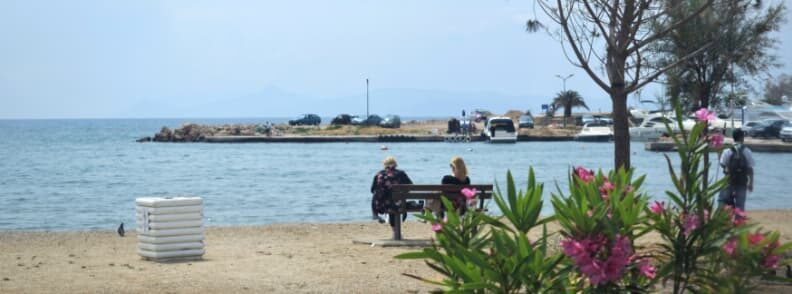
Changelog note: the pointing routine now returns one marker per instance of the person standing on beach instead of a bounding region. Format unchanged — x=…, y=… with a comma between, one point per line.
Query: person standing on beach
x=738, y=164
x=381, y=188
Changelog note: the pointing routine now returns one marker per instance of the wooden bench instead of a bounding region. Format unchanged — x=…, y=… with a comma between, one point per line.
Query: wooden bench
x=403, y=193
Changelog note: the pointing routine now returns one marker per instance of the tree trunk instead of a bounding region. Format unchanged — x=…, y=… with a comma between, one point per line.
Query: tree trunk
x=567, y=111
x=704, y=103
x=621, y=128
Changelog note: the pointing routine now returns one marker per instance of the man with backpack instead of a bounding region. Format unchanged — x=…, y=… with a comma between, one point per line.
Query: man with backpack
x=738, y=164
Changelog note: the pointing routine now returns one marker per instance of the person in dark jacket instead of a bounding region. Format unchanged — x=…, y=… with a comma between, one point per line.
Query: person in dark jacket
x=458, y=176
x=459, y=173
x=381, y=188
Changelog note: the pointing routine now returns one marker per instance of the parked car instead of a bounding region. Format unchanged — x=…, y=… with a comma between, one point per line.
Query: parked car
x=342, y=119
x=372, y=120
x=357, y=120
x=526, y=121
x=749, y=126
x=606, y=120
x=307, y=119
x=768, y=129
x=786, y=132
x=391, y=121
x=586, y=119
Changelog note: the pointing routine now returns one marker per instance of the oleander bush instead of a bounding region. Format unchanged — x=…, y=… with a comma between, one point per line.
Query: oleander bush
x=602, y=217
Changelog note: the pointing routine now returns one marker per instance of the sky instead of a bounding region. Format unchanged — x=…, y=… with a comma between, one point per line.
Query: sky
x=147, y=59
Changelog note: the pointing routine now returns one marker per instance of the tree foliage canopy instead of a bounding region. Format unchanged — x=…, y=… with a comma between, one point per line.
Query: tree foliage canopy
x=568, y=99
x=611, y=41
x=774, y=92
x=742, y=45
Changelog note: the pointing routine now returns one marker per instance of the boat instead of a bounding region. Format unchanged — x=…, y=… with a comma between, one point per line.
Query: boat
x=654, y=126
x=597, y=131
x=500, y=129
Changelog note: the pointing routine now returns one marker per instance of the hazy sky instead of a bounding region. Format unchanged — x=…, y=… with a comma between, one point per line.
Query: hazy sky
x=98, y=59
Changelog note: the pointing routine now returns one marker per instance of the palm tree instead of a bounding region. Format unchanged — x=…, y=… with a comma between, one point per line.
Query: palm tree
x=568, y=99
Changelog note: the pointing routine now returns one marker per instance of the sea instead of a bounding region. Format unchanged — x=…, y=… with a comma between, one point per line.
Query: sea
x=85, y=174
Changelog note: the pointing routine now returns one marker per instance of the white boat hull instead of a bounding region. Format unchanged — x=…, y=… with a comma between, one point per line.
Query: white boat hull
x=503, y=139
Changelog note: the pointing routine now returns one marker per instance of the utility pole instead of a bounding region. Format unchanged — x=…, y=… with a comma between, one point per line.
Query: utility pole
x=367, y=98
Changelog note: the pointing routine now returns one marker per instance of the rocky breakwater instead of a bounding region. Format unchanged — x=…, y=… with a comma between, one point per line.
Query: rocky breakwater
x=191, y=132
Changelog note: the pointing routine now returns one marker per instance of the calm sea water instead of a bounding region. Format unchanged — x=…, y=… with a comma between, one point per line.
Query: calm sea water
x=86, y=174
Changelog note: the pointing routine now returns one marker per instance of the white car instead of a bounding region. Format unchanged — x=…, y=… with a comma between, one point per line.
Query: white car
x=786, y=132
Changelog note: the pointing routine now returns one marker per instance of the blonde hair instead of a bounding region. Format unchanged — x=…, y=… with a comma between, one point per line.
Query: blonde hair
x=389, y=161
x=460, y=170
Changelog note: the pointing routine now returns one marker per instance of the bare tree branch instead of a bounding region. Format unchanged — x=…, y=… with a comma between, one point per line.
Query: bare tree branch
x=578, y=54
x=596, y=20
x=670, y=66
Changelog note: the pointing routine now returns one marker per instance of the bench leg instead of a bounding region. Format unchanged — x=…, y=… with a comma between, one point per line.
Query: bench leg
x=395, y=219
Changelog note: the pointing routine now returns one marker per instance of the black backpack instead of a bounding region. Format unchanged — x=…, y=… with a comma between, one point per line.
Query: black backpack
x=738, y=167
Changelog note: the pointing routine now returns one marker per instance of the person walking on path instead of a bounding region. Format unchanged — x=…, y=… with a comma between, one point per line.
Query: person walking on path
x=738, y=164
x=381, y=198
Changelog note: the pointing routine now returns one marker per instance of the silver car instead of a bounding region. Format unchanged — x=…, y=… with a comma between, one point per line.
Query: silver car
x=749, y=126
x=786, y=132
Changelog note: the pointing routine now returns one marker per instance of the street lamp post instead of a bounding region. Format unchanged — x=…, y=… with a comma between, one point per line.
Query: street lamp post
x=564, y=87
x=564, y=79
x=367, y=98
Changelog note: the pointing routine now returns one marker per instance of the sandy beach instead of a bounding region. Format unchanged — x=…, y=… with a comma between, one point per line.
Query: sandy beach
x=281, y=258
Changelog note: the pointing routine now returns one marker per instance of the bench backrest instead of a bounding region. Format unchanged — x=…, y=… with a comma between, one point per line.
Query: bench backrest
x=402, y=192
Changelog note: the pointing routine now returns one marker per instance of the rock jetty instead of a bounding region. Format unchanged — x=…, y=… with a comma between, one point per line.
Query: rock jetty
x=191, y=132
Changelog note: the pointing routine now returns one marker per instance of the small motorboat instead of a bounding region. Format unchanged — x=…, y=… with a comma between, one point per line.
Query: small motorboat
x=654, y=127
x=500, y=129
x=597, y=131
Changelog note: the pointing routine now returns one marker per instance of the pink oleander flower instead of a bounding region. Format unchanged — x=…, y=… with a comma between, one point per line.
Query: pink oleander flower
x=605, y=189
x=755, y=238
x=584, y=174
x=620, y=256
x=730, y=246
x=572, y=248
x=646, y=269
x=704, y=115
x=771, y=261
x=436, y=227
x=657, y=207
x=690, y=223
x=586, y=254
x=716, y=141
x=469, y=193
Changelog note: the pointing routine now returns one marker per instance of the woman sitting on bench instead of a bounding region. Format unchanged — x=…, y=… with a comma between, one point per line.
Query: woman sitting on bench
x=381, y=199
x=458, y=176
